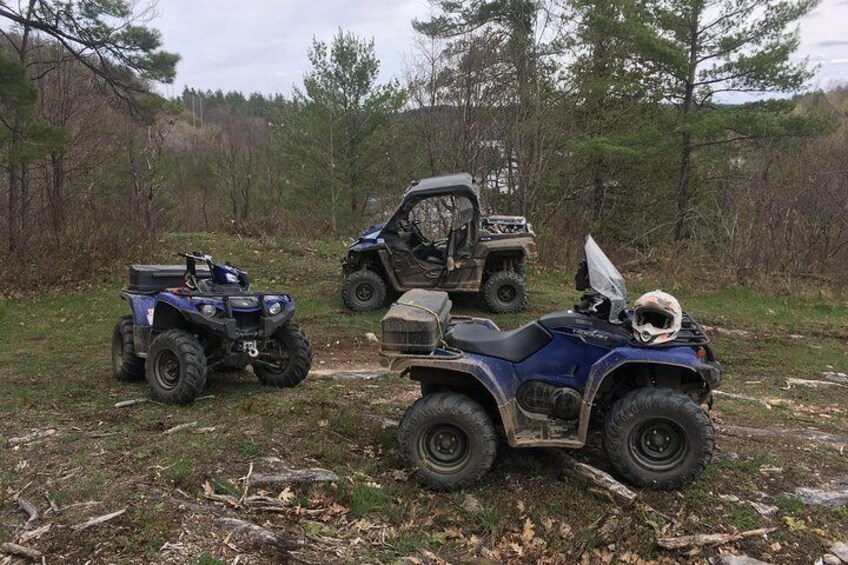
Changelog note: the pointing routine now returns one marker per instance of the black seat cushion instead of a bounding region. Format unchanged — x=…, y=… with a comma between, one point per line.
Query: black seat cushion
x=515, y=345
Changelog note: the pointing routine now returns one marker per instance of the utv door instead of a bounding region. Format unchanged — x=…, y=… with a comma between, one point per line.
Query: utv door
x=463, y=272
x=418, y=241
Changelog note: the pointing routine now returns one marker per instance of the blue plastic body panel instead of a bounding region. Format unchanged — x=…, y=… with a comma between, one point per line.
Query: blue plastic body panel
x=575, y=360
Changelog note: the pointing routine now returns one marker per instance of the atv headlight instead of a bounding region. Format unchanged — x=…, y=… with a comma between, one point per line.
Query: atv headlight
x=275, y=308
x=208, y=310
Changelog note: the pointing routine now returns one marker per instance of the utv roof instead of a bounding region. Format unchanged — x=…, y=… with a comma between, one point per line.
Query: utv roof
x=459, y=183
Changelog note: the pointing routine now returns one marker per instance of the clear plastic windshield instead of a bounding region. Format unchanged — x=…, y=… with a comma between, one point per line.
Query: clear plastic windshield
x=605, y=279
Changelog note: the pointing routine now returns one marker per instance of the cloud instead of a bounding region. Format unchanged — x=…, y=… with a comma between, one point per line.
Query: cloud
x=261, y=45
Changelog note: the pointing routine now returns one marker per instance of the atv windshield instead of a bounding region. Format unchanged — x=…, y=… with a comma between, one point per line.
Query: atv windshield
x=605, y=279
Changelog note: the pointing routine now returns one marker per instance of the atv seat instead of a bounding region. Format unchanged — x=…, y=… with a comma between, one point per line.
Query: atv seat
x=515, y=345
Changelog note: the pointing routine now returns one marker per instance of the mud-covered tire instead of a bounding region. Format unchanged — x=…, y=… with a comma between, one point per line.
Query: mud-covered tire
x=295, y=345
x=449, y=439
x=126, y=366
x=658, y=438
x=364, y=291
x=505, y=292
x=176, y=367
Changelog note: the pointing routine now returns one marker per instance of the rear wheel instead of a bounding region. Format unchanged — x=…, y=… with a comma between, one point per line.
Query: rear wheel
x=449, y=439
x=364, y=291
x=288, y=359
x=658, y=438
x=126, y=366
x=505, y=292
x=176, y=367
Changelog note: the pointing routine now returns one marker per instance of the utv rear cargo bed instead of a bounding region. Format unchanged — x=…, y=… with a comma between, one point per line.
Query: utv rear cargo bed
x=416, y=323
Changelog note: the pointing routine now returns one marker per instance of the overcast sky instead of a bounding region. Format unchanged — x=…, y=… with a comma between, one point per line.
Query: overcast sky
x=261, y=45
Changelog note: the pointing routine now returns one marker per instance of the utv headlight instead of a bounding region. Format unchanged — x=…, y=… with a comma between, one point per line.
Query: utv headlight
x=208, y=310
x=275, y=308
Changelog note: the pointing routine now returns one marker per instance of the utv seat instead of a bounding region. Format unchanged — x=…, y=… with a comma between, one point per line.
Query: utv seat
x=515, y=345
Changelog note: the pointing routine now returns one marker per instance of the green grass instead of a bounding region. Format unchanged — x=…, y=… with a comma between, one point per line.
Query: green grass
x=55, y=372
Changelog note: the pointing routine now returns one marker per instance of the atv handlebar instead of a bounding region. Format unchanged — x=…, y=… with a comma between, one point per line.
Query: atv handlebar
x=196, y=255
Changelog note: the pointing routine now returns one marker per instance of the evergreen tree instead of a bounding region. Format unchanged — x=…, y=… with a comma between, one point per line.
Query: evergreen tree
x=705, y=48
x=329, y=130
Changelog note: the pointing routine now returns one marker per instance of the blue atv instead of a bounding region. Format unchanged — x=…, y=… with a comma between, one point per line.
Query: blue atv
x=189, y=320
x=550, y=383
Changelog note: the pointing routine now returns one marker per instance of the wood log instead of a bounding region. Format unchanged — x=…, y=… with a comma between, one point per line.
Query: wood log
x=29, y=508
x=180, y=427
x=699, y=540
x=596, y=477
x=32, y=436
x=21, y=551
x=257, y=534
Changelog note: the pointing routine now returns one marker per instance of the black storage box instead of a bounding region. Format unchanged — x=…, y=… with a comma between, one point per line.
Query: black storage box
x=155, y=278
x=416, y=323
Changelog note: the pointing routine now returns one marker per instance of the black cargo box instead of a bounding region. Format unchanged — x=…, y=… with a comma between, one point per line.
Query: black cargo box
x=416, y=323
x=155, y=278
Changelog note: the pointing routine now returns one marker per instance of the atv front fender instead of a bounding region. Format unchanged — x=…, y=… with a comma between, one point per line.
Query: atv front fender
x=683, y=357
x=226, y=326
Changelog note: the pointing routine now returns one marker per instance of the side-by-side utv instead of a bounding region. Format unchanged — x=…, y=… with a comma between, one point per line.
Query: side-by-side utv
x=438, y=240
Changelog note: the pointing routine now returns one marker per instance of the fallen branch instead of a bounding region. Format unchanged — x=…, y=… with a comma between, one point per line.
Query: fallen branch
x=96, y=521
x=21, y=551
x=133, y=402
x=38, y=434
x=179, y=428
x=597, y=477
x=34, y=534
x=812, y=383
x=246, y=483
x=286, y=475
x=29, y=508
x=225, y=498
x=699, y=540
x=254, y=533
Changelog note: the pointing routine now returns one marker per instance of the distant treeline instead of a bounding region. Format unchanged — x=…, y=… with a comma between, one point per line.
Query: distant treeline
x=611, y=117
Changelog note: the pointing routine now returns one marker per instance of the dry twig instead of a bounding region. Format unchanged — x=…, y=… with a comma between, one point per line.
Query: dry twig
x=96, y=521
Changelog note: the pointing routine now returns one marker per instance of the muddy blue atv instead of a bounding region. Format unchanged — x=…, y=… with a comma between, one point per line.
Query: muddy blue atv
x=203, y=317
x=550, y=383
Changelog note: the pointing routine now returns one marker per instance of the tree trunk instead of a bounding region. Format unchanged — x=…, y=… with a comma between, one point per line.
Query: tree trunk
x=684, y=197
x=599, y=190
x=17, y=169
x=56, y=204
x=14, y=197
x=684, y=192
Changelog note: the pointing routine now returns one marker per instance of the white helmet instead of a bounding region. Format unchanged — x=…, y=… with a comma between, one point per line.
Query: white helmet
x=656, y=318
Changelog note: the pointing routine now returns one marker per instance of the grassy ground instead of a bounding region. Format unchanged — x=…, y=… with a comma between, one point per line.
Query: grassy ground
x=55, y=374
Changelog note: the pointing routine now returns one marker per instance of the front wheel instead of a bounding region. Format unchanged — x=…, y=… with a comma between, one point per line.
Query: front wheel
x=288, y=360
x=176, y=367
x=363, y=291
x=505, y=292
x=658, y=438
x=449, y=439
